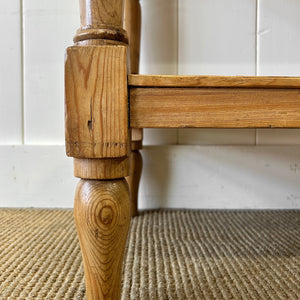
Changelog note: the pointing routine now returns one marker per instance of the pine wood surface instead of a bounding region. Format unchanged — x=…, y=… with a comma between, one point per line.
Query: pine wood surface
x=97, y=135
x=132, y=25
x=102, y=215
x=135, y=80
x=93, y=168
x=214, y=107
x=136, y=165
x=96, y=102
x=136, y=134
x=101, y=19
x=136, y=145
x=99, y=12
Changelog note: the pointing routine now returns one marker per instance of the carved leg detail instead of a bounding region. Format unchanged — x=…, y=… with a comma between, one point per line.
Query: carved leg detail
x=102, y=215
x=136, y=165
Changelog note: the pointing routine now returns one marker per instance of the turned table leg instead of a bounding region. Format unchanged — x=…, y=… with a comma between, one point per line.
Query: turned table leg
x=97, y=136
x=136, y=164
x=102, y=215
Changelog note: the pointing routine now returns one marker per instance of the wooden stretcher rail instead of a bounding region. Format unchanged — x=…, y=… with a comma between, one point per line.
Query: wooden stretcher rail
x=213, y=81
x=214, y=101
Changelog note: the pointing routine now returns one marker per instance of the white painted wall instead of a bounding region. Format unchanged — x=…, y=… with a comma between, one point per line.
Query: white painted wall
x=10, y=73
x=215, y=168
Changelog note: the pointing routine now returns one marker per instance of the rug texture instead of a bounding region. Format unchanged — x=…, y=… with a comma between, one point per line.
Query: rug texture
x=180, y=254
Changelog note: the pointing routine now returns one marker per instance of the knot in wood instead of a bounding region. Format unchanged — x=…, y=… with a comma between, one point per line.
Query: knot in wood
x=106, y=215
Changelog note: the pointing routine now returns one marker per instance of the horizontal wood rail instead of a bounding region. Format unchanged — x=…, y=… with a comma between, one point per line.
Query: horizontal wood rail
x=214, y=101
x=213, y=81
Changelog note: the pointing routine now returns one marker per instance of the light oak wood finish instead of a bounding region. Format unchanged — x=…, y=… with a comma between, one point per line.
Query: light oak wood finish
x=102, y=214
x=96, y=102
x=132, y=25
x=136, y=134
x=136, y=145
x=97, y=136
x=96, y=13
x=101, y=19
x=91, y=168
x=190, y=81
x=97, y=125
x=214, y=101
x=136, y=166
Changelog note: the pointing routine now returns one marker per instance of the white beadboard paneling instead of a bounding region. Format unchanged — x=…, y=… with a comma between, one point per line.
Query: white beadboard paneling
x=36, y=176
x=278, y=37
x=10, y=73
x=217, y=37
x=278, y=137
x=159, y=53
x=278, y=54
x=159, y=37
x=49, y=27
x=214, y=136
x=173, y=176
x=213, y=177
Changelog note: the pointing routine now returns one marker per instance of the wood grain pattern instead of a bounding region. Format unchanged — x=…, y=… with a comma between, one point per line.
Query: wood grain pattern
x=132, y=25
x=97, y=136
x=136, y=166
x=213, y=81
x=102, y=215
x=214, y=107
x=95, y=13
x=136, y=134
x=96, y=102
x=101, y=19
x=93, y=168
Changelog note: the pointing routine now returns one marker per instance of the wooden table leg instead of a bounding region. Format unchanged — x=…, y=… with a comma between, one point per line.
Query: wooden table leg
x=102, y=215
x=98, y=137
x=132, y=25
x=136, y=165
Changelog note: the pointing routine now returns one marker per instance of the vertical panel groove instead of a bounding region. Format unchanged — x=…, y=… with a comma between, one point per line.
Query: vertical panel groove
x=159, y=53
x=22, y=70
x=256, y=52
x=10, y=76
x=177, y=54
x=177, y=36
x=256, y=38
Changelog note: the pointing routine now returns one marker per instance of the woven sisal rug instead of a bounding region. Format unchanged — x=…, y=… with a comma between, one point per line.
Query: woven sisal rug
x=179, y=254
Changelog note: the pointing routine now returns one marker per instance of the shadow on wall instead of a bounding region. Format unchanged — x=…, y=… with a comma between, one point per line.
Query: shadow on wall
x=159, y=40
x=233, y=177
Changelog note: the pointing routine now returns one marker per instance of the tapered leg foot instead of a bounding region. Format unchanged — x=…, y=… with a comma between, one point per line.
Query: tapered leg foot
x=102, y=215
x=136, y=165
